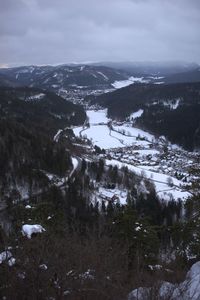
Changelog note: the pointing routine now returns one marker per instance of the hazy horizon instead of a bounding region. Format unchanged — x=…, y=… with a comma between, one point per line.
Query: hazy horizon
x=140, y=63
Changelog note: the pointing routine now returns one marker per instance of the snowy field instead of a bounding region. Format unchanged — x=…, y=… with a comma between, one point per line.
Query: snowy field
x=35, y=97
x=96, y=117
x=101, y=136
x=133, y=132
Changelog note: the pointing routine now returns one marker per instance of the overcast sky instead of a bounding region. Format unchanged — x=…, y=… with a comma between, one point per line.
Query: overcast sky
x=62, y=31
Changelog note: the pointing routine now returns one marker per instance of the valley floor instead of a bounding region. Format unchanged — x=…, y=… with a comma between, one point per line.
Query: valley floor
x=166, y=165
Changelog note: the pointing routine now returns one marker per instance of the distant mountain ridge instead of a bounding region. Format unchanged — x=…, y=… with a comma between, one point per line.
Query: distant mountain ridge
x=62, y=77
x=184, y=77
x=97, y=76
x=153, y=68
x=166, y=72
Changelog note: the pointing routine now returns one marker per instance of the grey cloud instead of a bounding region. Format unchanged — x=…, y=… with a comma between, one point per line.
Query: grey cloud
x=49, y=31
x=11, y=5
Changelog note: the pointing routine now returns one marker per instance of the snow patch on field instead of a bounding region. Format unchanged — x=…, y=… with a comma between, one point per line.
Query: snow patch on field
x=28, y=207
x=159, y=82
x=133, y=132
x=122, y=83
x=136, y=114
x=75, y=163
x=6, y=256
x=28, y=230
x=35, y=97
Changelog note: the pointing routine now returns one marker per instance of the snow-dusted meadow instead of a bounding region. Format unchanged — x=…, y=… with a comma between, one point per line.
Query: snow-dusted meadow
x=97, y=116
x=100, y=134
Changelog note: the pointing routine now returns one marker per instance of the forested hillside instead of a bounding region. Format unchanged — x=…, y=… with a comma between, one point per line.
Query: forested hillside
x=181, y=125
x=190, y=76
x=62, y=76
x=29, y=120
x=44, y=109
x=170, y=110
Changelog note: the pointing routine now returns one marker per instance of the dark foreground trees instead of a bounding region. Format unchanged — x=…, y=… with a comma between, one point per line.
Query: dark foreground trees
x=93, y=250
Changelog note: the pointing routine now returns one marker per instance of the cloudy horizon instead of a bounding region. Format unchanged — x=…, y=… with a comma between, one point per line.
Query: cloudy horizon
x=57, y=32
